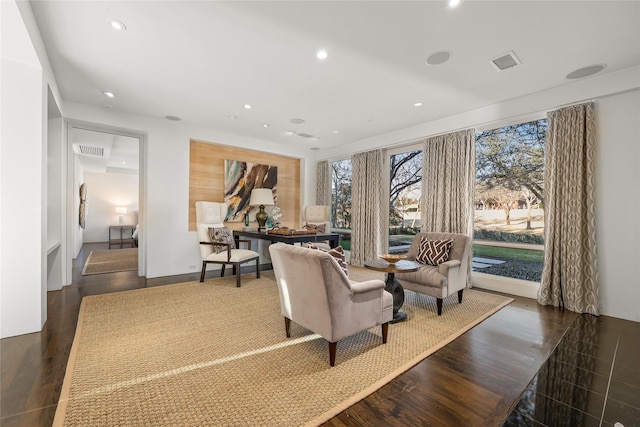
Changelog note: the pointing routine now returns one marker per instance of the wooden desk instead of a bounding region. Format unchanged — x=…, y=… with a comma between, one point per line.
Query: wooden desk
x=333, y=238
x=391, y=284
x=121, y=235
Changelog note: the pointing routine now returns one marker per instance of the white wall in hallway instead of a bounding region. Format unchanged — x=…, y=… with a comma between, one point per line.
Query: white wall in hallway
x=105, y=191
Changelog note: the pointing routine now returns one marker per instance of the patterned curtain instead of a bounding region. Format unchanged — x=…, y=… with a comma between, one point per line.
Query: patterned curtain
x=323, y=190
x=448, y=183
x=366, y=224
x=569, y=275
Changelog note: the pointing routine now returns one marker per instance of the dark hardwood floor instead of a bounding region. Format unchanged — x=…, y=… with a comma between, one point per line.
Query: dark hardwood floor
x=506, y=371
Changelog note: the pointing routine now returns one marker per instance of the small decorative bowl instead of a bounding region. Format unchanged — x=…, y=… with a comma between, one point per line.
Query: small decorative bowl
x=392, y=258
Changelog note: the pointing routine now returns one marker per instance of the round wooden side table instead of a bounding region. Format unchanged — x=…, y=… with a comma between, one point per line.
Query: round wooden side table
x=391, y=284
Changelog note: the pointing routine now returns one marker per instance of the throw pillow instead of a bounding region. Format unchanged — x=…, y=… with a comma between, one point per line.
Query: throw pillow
x=222, y=235
x=433, y=252
x=337, y=253
x=319, y=228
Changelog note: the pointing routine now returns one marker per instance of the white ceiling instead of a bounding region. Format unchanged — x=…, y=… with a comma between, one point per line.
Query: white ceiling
x=203, y=60
x=120, y=154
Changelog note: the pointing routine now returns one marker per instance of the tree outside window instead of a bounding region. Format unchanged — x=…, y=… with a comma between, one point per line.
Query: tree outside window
x=341, y=173
x=509, y=197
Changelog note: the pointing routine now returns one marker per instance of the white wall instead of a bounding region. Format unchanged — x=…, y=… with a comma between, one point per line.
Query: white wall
x=22, y=212
x=55, y=203
x=105, y=191
x=618, y=204
x=73, y=217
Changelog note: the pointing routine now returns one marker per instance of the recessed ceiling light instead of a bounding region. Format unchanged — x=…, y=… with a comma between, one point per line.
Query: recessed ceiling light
x=453, y=3
x=108, y=94
x=173, y=118
x=418, y=104
x=439, y=58
x=124, y=163
x=586, y=71
x=297, y=121
x=336, y=131
x=265, y=125
x=290, y=132
x=232, y=117
x=322, y=54
x=118, y=25
x=247, y=107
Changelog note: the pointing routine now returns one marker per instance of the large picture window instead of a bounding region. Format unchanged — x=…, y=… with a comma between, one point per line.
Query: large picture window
x=405, y=171
x=341, y=172
x=509, y=220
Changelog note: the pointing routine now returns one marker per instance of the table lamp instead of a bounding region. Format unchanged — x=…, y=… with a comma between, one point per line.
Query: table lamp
x=122, y=210
x=261, y=197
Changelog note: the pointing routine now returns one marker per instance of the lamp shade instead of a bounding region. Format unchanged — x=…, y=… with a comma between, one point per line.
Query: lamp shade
x=261, y=196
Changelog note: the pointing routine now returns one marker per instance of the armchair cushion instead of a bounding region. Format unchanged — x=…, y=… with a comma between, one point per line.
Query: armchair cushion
x=433, y=252
x=222, y=235
x=336, y=253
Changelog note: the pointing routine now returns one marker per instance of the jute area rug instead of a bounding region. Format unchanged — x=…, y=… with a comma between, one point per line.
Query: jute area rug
x=211, y=354
x=99, y=262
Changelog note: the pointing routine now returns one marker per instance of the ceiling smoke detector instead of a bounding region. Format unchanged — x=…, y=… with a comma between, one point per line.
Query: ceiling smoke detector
x=505, y=61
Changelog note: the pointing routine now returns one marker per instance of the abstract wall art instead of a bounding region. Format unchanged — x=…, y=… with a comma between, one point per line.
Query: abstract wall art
x=239, y=179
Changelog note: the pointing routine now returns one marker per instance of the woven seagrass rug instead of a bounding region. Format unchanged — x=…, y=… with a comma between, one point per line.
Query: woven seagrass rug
x=99, y=262
x=211, y=354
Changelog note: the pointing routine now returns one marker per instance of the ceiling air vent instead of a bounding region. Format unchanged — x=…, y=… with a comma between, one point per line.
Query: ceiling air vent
x=88, y=150
x=305, y=135
x=505, y=61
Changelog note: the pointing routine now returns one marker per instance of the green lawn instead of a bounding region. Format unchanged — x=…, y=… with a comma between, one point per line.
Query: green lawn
x=508, y=253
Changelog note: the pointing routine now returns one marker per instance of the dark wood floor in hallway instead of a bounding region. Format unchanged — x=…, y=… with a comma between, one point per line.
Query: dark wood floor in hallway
x=477, y=380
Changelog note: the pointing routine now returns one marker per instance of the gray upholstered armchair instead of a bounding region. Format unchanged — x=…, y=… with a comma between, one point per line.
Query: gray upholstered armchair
x=317, y=294
x=443, y=279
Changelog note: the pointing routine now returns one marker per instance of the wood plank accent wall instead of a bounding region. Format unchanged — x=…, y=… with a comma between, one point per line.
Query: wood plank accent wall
x=206, y=178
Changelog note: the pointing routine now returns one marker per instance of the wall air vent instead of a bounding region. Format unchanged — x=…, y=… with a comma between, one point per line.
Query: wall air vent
x=505, y=61
x=305, y=135
x=88, y=150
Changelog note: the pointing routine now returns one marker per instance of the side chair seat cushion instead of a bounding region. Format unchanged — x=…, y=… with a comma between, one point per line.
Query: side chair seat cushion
x=237, y=255
x=427, y=276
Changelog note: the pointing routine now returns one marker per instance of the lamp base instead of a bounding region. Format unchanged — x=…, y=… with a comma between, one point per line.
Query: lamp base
x=261, y=217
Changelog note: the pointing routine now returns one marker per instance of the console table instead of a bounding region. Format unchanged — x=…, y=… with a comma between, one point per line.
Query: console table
x=121, y=235
x=333, y=238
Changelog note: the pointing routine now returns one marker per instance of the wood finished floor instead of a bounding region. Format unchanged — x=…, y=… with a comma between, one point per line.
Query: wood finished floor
x=477, y=380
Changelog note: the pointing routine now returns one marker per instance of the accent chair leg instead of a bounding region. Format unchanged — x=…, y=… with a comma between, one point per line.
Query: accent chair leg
x=258, y=268
x=332, y=353
x=439, y=304
x=222, y=272
x=287, y=326
x=385, y=331
x=460, y=296
x=204, y=269
x=236, y=269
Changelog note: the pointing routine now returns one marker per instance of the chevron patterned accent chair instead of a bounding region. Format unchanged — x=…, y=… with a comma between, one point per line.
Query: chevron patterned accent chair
x=444, y=261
